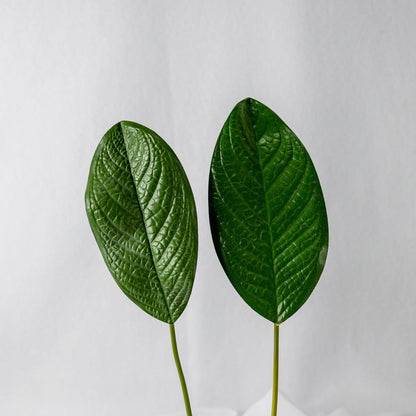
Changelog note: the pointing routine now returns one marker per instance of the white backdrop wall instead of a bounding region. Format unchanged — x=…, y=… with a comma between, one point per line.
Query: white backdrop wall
x=342, y=76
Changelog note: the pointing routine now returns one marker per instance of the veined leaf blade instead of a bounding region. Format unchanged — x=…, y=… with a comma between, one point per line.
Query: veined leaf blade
x=142, y=212
x=267, y=212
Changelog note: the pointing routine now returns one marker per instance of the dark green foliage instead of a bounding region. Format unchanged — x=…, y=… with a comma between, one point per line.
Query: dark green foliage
x=267, y=212
x=142, y=213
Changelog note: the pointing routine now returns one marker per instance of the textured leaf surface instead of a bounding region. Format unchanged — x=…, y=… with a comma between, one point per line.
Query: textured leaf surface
x=267, y=212
x=142, y=213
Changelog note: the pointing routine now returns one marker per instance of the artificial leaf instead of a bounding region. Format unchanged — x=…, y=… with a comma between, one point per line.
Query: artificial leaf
x=267, y=212
x=142, y=212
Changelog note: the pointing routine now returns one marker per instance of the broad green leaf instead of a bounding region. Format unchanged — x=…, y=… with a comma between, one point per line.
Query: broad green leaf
x=142, y=213
x=267, y=212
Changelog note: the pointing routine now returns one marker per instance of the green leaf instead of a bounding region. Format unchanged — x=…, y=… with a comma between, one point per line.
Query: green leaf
x=142, y=212
x=267, y=212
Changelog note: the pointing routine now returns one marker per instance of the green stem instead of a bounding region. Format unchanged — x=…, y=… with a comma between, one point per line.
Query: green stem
x=275, y=369
x=180, y=372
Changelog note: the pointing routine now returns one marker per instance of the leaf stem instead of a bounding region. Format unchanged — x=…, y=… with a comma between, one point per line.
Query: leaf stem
x=275, y=369
x=180, y=372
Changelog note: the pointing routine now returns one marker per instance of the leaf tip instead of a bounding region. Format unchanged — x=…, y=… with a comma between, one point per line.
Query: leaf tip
x=249, y=106
x=247, y=102
x=123, y=124
x=126, y=123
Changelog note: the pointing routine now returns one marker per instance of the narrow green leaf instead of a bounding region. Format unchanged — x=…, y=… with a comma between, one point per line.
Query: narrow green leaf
x=142, y=212
x=267, y=212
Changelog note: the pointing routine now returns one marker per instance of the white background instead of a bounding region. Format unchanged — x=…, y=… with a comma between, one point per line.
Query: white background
x=342, y=76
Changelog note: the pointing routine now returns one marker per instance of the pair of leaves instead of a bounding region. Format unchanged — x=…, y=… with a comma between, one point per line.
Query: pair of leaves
x=267, y=215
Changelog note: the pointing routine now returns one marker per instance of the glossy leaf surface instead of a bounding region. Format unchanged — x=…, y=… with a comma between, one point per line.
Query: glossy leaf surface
x=267, y=212
x=142, y=213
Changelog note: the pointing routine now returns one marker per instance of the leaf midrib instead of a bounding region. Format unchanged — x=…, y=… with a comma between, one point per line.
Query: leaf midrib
x=144, y=225
x=251, y=124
